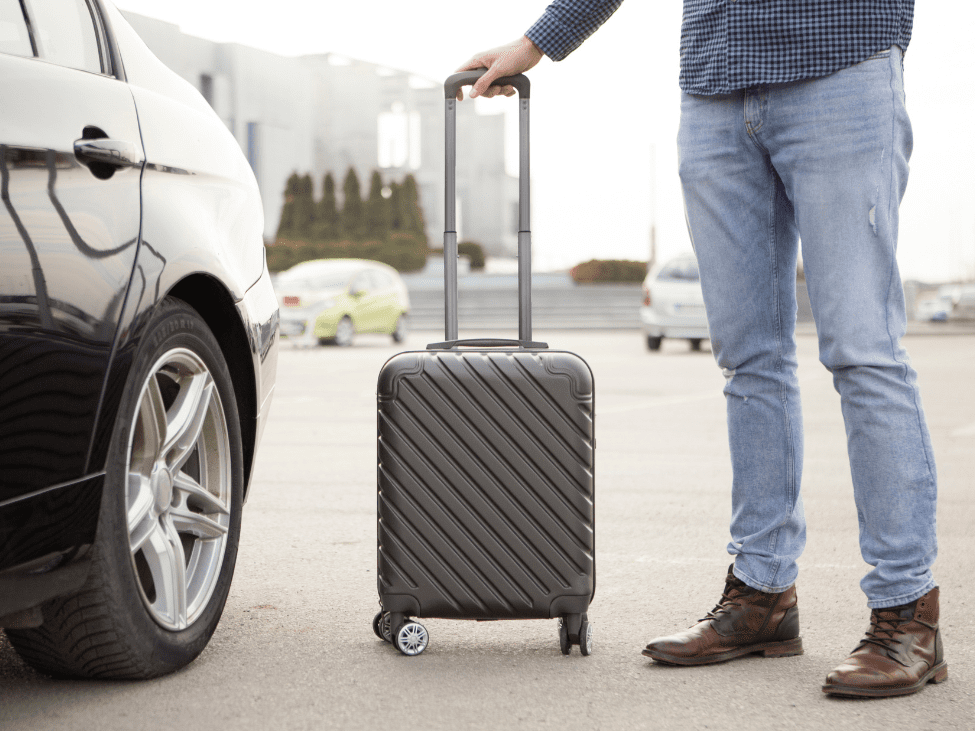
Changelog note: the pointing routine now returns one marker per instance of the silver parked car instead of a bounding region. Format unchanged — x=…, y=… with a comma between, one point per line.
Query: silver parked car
x=138, y=347
x=673, y=305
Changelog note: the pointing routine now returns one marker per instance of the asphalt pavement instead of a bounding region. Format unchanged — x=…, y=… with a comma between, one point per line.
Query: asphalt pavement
x=295, y=648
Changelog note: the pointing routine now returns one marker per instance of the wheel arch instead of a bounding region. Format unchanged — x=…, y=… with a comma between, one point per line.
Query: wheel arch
x=215, y=305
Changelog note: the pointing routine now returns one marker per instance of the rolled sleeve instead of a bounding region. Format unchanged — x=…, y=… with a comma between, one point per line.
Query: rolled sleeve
x=567, y=23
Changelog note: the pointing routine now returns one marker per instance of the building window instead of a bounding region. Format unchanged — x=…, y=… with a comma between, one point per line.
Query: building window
x=399, y=138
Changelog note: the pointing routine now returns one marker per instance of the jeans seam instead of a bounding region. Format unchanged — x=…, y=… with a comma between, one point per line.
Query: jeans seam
x=773, y=539
x=890, y=282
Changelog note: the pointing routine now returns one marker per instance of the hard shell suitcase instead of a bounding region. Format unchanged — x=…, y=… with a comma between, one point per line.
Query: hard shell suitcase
x=485, y=474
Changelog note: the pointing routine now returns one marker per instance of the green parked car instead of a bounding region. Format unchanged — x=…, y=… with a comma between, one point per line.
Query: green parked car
x=328, y=301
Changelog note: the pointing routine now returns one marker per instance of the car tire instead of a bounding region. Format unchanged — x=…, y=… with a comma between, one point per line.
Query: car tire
x=401, y=330
x=653, y=342
x=344, y=332
x=695, y=344
x=169, y=523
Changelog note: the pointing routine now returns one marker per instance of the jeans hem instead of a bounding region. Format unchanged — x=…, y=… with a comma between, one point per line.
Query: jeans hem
x=899, y=600
x=759, y=586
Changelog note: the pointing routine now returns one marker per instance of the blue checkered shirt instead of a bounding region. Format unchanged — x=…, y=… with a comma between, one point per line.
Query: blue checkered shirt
x=733, y=44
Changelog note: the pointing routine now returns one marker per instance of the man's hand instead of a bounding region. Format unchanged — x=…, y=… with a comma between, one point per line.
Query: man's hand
x=508, y=60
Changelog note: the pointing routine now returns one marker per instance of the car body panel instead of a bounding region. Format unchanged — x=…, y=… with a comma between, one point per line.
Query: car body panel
x=81, y=275
x=200, y=171
x=39, y=561
x=258, y=310
x=67, y=258
x=676, y=308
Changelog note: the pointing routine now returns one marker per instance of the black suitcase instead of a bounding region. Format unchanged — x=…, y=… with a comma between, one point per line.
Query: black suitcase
x=485, y=476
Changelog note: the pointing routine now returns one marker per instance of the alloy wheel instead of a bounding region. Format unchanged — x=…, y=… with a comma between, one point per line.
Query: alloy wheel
x=178, y=489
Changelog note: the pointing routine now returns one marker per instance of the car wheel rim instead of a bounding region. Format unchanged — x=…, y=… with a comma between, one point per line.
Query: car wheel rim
x=178, y=489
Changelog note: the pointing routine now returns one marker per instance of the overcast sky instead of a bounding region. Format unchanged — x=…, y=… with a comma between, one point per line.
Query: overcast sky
x=604, y=121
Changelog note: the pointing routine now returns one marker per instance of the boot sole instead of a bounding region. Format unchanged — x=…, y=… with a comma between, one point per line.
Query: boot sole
x=937, y=674
x=765, y=649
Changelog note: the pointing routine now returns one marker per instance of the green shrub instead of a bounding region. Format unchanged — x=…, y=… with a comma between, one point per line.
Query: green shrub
x=404, y=252
x=617, y=271
x=473, y=251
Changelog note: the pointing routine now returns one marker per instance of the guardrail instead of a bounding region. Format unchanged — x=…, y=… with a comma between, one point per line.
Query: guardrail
x=570, y=307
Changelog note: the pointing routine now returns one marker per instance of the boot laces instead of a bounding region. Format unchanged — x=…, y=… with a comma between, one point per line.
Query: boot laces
x=885, y=628
x=731, y=597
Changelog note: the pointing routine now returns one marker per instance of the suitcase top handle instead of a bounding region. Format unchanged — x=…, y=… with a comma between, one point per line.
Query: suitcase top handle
x=453, y=83
x=466, y=78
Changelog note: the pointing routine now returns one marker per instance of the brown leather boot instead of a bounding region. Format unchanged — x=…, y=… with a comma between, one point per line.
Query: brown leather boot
x=900, y=654
x=745, y=621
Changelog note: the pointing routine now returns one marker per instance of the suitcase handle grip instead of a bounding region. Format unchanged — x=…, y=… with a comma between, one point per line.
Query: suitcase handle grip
x=466, y=78
x=486, y=343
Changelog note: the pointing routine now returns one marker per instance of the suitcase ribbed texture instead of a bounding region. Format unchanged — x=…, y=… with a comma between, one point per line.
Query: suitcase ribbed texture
x=486, y=484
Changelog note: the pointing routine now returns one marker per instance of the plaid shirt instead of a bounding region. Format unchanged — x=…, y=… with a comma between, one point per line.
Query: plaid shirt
x=733, y=44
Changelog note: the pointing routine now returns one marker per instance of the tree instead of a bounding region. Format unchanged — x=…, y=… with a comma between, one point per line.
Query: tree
x=411, y=215
x=388, y=229
x=303, y=212
x=327, y=219
x=378, y=219
x=353, y=209
x=286, y=224
x=395, y=206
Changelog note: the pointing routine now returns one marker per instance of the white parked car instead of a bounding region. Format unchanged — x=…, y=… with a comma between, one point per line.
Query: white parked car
x=673, y=305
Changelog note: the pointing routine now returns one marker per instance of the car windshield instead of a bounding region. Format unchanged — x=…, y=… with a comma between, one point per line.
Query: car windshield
x=682, y=270
x=308, y=279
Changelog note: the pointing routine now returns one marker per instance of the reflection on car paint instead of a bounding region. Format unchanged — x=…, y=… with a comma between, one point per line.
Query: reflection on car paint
x=40, y=334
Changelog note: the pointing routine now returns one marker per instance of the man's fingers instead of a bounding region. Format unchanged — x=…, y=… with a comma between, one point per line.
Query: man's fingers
x=494, y=91
x=483, y=85
x=474, y=63
x=507, y=60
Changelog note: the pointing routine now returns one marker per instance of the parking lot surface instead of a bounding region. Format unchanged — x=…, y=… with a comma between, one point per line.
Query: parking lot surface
x=295, y=648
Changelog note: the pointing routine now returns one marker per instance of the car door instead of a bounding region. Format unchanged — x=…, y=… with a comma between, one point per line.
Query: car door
x=362, y=293
x=70, y=166
x=387, y=304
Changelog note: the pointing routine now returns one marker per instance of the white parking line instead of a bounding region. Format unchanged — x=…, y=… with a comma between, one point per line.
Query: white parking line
x=965, y=431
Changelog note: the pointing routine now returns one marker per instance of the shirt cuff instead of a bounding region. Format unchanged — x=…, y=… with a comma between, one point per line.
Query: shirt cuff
x=567, y=23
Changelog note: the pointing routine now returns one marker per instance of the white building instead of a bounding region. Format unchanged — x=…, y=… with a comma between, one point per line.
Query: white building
x=324, y=113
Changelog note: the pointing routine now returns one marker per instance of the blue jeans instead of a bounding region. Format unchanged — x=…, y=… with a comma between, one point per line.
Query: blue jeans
x=825, y=161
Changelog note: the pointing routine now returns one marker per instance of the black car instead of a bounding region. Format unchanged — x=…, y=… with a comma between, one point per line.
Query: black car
x=138, y=347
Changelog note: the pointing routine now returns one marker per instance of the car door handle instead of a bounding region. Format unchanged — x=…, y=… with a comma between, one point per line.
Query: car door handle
x=118, y=153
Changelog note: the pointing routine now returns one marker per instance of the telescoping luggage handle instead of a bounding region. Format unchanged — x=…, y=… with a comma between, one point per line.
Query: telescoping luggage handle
x=451, y=87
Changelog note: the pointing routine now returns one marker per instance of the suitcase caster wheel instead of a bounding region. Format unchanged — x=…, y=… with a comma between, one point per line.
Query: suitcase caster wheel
x=411, y=638
x=380, y=625
x=565, y=644
x=585, y=638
